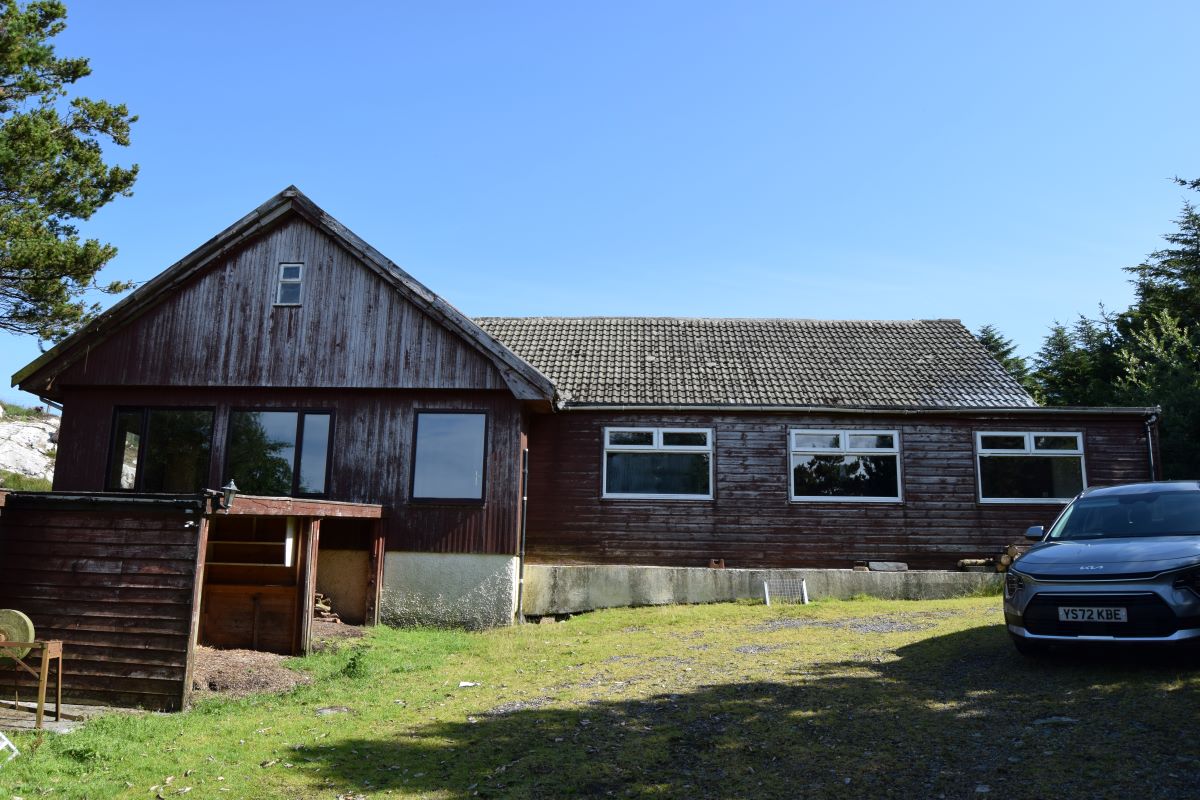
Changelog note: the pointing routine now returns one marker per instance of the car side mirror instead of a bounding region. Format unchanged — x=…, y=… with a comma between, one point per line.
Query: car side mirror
x=1035, y=532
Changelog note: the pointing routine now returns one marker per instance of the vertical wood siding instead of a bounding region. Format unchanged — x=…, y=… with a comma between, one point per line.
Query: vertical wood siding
x=371, y=455
x=751, y=523
x=222, y=328
x=115, y=585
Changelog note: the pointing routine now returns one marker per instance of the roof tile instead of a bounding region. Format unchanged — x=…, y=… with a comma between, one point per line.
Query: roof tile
x=760, y=362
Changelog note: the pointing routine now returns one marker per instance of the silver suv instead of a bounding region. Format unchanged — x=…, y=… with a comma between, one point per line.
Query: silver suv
x=1120, y=564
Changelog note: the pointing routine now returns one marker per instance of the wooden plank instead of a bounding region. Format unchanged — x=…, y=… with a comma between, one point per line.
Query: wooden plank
x=189, y=660
x=308, y=585
x=113, y=584
x=371, y=456
x=375, y=574
x=250, y=505
x=751, y=522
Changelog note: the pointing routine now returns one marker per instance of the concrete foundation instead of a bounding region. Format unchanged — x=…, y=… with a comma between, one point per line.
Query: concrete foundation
x=569, y=589
x=471, y=591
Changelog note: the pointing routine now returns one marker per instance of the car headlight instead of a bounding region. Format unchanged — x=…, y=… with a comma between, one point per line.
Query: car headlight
x=1013, y=583
x=1189, y=580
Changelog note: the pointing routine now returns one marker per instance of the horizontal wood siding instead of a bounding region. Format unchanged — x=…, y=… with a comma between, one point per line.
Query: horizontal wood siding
x=115, y=585
x=371, y=454
x=750, y=521
x=222, y=328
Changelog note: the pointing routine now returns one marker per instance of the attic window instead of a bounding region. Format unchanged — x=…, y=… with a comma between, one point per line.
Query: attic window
x=290, y=283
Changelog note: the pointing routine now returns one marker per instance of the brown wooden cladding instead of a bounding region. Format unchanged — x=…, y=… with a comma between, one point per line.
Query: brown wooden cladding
x=751, y=523
x=222, y=328
x=115, y=584
x=371, y=455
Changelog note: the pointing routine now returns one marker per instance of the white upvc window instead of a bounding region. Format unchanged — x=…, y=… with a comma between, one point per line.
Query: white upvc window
x=658, y=463
x=289, y=292
x=844, y=465
x=1029, y=466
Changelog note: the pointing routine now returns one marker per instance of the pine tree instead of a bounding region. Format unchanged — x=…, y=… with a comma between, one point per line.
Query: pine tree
x=52, y=174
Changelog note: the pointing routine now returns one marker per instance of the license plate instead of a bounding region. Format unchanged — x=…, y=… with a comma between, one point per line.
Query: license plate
x=1091, y=614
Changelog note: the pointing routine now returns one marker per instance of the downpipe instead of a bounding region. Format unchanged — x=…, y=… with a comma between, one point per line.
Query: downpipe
x=521, y=554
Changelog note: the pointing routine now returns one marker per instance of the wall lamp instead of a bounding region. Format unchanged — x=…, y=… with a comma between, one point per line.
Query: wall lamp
x=228, y=493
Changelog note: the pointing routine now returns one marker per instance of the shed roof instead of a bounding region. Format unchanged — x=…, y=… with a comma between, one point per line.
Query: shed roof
x=761, y=362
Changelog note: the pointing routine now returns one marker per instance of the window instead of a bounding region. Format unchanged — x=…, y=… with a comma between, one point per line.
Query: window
x=279, y=453
x=658, y=463
x=290, y=284
x=1027, y=467
x=845, y=465
x=160, y=450
x=448, y=458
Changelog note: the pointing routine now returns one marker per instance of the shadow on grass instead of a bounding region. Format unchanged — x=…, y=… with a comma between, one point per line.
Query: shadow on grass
x=950, y=716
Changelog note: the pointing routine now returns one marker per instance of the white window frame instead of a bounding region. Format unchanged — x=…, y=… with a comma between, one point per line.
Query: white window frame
x=982, y=452
x=656, y=446
x=843, y=449
x=299, y=281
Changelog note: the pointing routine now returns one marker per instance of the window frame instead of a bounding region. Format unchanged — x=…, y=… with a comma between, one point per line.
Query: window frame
x=844, y=449
x=412, y=472
x=300, y=414
x=144, y=411
x=281, y=282
x=1028, y=451
x=656, y=447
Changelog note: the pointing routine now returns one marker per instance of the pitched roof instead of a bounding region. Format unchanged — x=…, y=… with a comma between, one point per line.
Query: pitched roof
x=38, y=376
x=761, y=362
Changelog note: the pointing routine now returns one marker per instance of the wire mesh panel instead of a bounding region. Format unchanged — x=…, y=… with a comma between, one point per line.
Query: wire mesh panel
x=5, y=744
x=785, y=590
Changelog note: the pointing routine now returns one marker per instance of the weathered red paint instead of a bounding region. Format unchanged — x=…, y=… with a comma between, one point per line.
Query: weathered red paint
x=750, y=521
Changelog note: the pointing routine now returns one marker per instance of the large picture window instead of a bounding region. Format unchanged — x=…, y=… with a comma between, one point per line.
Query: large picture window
x=1029, y=467
x=448, y=461
x=658, y=463
x=845, y=465
x=160, y=450
x=279, y=453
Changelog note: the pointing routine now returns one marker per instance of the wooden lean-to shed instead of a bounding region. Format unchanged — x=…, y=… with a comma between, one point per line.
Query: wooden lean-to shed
x=130, y=584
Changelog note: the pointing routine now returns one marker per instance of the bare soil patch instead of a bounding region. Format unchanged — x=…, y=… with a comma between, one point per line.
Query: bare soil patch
x=331, y=635
x=237, y=673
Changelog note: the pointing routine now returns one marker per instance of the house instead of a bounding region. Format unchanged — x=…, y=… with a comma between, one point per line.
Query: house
x=290, y=356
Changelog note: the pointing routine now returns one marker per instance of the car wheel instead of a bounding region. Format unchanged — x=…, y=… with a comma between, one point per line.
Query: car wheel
x=1027, y=647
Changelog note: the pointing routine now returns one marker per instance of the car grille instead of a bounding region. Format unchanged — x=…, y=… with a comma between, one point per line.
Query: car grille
x=1148, y=615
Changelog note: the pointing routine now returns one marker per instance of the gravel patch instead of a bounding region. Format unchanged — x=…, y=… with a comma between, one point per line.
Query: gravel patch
x=861, y=625
x=516, y=706
x=758, y=649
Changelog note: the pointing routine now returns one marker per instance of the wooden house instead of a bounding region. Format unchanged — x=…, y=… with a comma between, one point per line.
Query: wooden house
x=290, y=356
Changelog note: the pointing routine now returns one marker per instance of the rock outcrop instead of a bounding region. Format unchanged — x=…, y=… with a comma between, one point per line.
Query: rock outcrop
x=28, y=445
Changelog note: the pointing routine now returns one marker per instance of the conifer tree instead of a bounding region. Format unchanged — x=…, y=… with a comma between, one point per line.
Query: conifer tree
x=52, y=175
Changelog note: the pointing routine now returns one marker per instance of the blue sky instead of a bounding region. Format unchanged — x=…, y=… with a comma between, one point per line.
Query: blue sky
x=992, y=162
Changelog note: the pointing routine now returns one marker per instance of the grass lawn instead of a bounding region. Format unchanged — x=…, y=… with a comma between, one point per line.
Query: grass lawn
x=863, y=698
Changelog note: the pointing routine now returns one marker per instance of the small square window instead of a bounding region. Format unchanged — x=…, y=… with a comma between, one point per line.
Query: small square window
x=291, y=281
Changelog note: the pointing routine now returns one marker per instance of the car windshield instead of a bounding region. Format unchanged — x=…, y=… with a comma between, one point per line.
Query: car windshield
x=1122, y=516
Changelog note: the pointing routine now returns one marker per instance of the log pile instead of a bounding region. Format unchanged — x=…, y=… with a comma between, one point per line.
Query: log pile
x=1011, y=554
x=999, y=563
x=323, y=609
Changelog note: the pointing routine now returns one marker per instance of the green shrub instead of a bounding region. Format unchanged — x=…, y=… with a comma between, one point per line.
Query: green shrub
x=14, y=411
x=17, y=482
